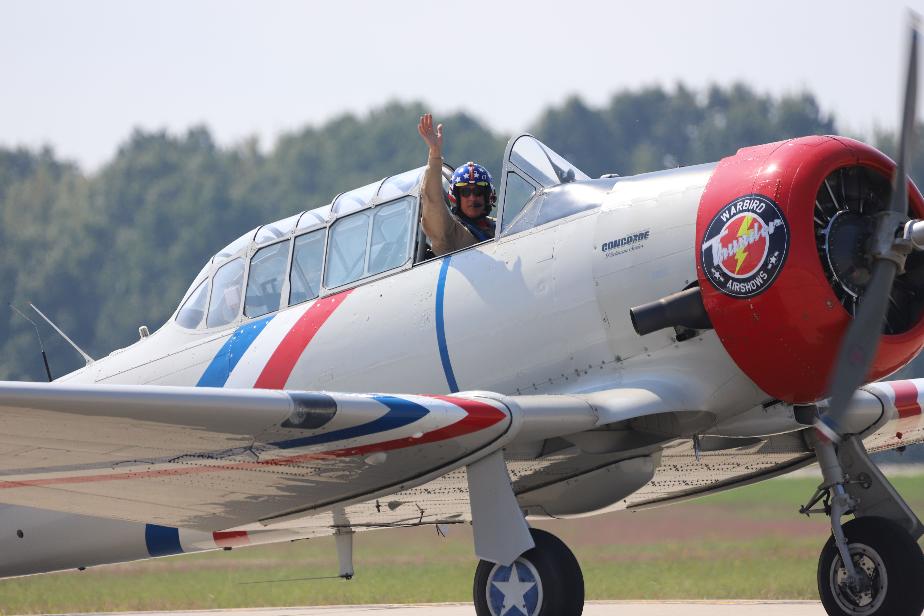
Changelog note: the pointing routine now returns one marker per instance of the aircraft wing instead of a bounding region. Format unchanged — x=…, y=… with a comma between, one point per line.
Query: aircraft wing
x=211, y=459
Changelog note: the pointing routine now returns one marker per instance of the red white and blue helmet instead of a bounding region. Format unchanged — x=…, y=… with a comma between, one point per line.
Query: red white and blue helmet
x=473, y=174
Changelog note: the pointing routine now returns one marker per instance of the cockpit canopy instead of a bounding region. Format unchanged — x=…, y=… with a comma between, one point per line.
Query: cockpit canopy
x=370, y=233
x=366, y=233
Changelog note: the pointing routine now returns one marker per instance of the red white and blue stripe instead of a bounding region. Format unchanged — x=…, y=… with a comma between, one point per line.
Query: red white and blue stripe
x=262, y=354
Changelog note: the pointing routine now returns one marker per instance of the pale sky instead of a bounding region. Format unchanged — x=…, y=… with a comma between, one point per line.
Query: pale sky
x=81, y=75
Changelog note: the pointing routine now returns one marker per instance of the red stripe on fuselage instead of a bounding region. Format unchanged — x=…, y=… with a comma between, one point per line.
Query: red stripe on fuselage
x=282, y=361
x=478, y=417
x=906, y=398
x=231, y=539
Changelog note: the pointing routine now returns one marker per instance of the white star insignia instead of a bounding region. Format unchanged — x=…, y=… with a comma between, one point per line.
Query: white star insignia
x=514, y=592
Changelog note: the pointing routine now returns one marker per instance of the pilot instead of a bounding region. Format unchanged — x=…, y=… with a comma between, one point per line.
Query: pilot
x=472, y=193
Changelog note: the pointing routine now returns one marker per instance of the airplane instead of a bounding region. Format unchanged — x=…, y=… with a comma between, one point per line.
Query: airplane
x=621, y=343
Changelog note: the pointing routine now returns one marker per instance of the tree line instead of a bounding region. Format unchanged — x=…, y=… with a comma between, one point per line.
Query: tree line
x=102, y=253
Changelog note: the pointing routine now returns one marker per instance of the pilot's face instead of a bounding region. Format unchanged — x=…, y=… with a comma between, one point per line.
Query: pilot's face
x=472, y=200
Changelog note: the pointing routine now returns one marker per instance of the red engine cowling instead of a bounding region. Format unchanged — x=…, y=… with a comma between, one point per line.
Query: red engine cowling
x=782, y=232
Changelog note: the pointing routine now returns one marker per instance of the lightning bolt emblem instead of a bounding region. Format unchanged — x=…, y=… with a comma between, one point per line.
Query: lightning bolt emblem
x=741, y=254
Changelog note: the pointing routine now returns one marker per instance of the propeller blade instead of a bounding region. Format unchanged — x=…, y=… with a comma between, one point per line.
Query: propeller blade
x=900, y=183
x=859, y=346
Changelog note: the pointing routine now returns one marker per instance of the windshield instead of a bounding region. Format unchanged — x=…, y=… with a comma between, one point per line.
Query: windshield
x=559, y=202
x=542, y=163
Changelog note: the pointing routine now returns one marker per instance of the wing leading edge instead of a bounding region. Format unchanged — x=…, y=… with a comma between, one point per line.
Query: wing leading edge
x=211, y=459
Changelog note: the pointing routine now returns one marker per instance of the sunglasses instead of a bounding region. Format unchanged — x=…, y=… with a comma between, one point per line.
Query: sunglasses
x=477, y=191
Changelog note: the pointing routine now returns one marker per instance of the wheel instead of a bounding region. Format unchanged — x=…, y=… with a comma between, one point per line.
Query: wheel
x=545, y=581
x=887, y=558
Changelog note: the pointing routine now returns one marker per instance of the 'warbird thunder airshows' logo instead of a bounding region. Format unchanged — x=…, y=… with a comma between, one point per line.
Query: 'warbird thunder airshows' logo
x=745, y=246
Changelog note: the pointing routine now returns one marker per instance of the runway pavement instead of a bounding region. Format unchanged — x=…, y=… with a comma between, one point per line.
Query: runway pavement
x=592, y=608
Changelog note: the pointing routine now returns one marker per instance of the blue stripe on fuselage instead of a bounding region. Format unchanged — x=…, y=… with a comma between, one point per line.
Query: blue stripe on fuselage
x=217, y=373
x=441, y=327
x=162, y=540
x=400, y=413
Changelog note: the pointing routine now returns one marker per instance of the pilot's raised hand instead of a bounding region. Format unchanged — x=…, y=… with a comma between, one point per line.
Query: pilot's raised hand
x=433, y=137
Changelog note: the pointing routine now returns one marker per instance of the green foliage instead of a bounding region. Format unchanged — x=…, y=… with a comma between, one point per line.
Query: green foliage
x=45, y=249
x=104, y=253
x=653, y=129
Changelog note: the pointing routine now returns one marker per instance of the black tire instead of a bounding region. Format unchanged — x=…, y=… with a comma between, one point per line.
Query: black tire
x=889, y=557
x=560, y=588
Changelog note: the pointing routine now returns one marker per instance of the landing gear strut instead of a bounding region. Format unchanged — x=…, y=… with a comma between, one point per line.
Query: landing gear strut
x=872, y=565
x=544, y=581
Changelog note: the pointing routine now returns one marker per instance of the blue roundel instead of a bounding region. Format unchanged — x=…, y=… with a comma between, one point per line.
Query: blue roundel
x=514, y=590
